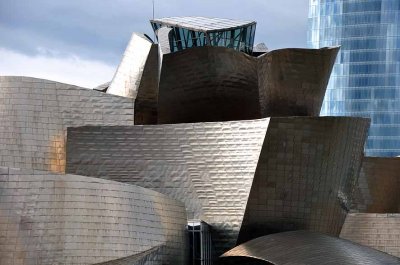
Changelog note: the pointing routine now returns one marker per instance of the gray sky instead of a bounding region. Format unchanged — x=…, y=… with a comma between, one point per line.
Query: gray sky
x=82, y=41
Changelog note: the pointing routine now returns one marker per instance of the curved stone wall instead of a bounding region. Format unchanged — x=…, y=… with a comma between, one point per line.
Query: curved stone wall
x=305, y=176
x=293, y=82
x=69, y=219
x=302, y=247
x=208, y=84
x=34, y=114
x=378, y=189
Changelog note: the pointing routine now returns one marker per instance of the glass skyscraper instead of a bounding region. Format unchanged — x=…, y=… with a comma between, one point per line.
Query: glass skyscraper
x=365, y=80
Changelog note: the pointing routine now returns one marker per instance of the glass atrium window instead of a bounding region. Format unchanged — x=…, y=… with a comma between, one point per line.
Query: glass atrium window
x=188, y=32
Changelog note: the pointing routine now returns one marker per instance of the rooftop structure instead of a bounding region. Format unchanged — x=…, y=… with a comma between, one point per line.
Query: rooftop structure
x=188, y=32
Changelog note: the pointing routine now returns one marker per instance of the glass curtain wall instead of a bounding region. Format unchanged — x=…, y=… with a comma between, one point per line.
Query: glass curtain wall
x=366, y=77
x=240, y=39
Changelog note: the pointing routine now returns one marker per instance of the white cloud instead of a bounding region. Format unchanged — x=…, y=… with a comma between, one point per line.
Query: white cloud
x=67, y=69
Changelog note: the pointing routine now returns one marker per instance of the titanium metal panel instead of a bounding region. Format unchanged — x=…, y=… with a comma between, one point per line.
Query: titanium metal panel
x=303, y=247
x=208, y=84
x=147, y=94
x=51, y=219
x=305, y=176
x=209, y=166
x=293, y=82
x=148, y=257
x=126, y=80
x=378, y=189
x=34, y=114
x=379, y=231
x=218, y=84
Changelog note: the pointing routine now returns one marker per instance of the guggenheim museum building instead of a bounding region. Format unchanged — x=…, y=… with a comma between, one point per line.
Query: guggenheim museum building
x=204, y=148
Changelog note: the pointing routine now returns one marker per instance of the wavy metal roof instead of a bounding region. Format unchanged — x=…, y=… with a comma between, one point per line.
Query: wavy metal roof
x=304, y=247
x=203, y=24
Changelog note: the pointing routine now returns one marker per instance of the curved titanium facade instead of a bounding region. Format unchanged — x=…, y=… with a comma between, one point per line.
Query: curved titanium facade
x=127, y=78
x=292, y=82
x=302, y=247
x=34, y=114
x=80, y=220
x=365, y=80
x=148, y=257
x=304, y=173
x=379, y=231
x=147, y=93
x=305, y=176
x=209, y=166
x=208, y=84
x=219, y=84
x=378, y=189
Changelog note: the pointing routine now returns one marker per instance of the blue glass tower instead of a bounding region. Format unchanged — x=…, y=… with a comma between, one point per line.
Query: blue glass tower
x=365, y=80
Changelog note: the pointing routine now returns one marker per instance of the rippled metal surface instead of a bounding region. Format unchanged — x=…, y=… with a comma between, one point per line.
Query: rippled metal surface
x=379, y=231
x=147, y=94
x=208, y=84
x=305, y=175
x=148, y=257
x=34, y=114
x=293, y=82
x=126, y=80
x=378, y=189
x=304, y=167
x=68, y=219
x=209, y=166
x=303, y=247
x=218, y=84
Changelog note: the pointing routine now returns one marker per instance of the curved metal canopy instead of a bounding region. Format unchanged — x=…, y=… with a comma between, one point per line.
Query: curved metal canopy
x=304, y=247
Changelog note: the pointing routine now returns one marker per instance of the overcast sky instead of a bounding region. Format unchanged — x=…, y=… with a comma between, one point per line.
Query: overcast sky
x=81, y=41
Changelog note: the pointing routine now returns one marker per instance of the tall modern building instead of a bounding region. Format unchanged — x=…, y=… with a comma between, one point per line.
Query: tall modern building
x=365, y=80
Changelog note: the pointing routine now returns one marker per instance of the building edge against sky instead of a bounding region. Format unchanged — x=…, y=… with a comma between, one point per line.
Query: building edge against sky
x=365, y=80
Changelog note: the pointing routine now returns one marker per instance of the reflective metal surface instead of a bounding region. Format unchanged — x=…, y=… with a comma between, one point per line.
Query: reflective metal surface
x=305, y=170
x=208, y=84
x=305, y=175
x=293, y=82
x=147, y=94
x=379, y=231
x=68, y=219
x=34, y=114
x=126, y=80
x=148, y=257
x=378, y=189
x=219, y=84
x=303, y=247
x=209, y=166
